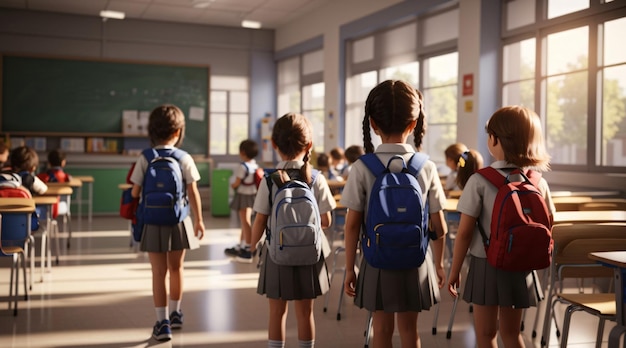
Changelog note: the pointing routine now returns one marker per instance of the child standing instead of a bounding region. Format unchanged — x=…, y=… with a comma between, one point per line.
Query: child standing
x=394, y=110
x=56, y=163
x=469, y=162
x=292, y=139
x=515, y=140
x=166, y=245
x=245, y=191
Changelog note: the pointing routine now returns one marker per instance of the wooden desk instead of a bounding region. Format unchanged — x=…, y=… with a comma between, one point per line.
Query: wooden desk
x=75, y=184
x=63, y=190
x=451, y=204
x=88, y=180
x=16, y=205
x=585, y=193
x=617, y=261
x=589, y=216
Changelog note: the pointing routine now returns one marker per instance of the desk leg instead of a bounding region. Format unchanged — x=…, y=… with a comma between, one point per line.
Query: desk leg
x=90, y=202
x=79, y=203
x=620, y=328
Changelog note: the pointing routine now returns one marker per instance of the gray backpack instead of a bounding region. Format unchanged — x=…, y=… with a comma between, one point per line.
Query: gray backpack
x=294, y=234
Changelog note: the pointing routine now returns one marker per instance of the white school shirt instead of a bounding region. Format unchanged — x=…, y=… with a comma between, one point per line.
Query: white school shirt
x=321, y=191
x=187, y=164
x=240, y=172
x=477, y=201
x=358, y=187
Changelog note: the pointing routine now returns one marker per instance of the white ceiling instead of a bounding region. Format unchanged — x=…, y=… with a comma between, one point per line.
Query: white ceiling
x=271, y=13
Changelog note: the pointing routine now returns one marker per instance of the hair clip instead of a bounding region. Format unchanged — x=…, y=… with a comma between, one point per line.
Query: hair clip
x=463, y=159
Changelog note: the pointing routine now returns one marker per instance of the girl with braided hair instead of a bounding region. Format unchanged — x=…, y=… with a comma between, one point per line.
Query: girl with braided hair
x=393, y=110
x=292, y=138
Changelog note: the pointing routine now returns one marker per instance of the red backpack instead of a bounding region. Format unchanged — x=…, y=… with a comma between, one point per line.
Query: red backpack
x=128, y=203
x=521, y=231
x=258, y=176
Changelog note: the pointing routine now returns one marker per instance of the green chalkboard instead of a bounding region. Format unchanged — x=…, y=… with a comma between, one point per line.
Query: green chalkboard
x=70, y=96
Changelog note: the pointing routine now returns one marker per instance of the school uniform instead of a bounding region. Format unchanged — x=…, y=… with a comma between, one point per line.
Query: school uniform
x=159, y=238
x=294, y=282
x=394, y=290
x=486, y=285
x=246, y=191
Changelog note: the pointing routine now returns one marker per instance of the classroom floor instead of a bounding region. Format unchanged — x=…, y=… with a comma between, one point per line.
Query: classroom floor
x=99, y=295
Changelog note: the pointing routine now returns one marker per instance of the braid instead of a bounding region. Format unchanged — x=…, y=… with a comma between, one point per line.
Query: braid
x=420, y=125
x=305, y=170
x=367, y=136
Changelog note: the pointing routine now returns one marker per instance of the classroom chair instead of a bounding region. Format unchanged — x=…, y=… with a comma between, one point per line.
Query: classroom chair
x=15, y=238
x=602, y=205
x=572, y=244
x=337, y=234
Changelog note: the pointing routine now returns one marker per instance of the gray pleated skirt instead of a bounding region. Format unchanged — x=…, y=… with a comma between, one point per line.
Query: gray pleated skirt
x=157, y=238
x=291, y=282
x=486, y=285
x=242, y=201
x=392, y=291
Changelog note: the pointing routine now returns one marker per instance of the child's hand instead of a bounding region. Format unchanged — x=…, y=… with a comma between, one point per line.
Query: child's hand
x=453, y=285
x=199, y=229
x=441, y=277
x=350, y=283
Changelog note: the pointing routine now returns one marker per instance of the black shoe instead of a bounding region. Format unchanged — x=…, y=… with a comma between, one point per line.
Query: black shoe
x=233, y=252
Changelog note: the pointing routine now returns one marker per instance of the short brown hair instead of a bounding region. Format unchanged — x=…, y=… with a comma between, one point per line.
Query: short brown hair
x=518, y=129
x=164, y=121
x=23, y=158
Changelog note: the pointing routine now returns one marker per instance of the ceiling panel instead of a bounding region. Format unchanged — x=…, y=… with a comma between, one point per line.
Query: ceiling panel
x=271, y=13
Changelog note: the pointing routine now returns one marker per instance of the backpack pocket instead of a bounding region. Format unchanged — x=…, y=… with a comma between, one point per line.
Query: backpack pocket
x=531, y=243
x=296, y=238
x=395, y=246
x=159, y=209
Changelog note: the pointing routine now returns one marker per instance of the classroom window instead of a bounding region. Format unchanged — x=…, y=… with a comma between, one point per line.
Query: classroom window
x=557, y=8
x=520, y=13
x=578, y=84
x=357, y=89
x=229, y=114
x=518, y=72
x=565, y=95
x=612, y=79
x=301, y=90
x=439, y=86
x=313, y=109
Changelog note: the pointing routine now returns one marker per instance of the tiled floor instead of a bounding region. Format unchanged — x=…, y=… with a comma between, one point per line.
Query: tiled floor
x=99, y=295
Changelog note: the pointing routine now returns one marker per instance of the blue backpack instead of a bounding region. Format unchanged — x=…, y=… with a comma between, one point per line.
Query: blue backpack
x=163, y=193
x=294, y=234
x=396, y=227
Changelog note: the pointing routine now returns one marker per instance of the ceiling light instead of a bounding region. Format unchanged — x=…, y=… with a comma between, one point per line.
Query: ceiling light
x=251, y=24
x=201, y=4
x=112, y=14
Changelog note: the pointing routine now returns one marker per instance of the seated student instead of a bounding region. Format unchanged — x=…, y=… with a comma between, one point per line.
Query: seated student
x=56, y=163
x=4, y=156
x=24, y=161
x=452, y=153
x=337, y=160
x=352, y=154
x=323, y=165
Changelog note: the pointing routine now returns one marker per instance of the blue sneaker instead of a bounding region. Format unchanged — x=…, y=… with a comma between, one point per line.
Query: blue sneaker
x=162, y=331
x=176, y=320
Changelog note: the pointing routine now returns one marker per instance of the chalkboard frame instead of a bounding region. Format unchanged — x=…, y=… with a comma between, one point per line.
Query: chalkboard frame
x=199, y=137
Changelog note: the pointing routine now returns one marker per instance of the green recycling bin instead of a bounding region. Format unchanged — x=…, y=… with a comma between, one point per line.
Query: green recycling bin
x=220, y=189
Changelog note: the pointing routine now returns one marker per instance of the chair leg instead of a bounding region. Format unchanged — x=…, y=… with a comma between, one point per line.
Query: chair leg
x=435, y=318
x=368, y=329
x=44, y=253
x=23, y=258
x=57, y=243
x=566, y=323
x=15, y=267
x=451, y=321
x=545, y=334
x=600, y=333
x=67, y=226
x=13, y=262
x=332, y=276
x=343, y=281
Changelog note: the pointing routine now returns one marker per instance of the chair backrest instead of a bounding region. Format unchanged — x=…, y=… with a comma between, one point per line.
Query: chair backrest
x=15, y=224
x=573, y=243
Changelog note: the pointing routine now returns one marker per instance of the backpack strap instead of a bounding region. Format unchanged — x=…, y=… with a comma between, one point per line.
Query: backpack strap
x=373, y=163
x=416, y=163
